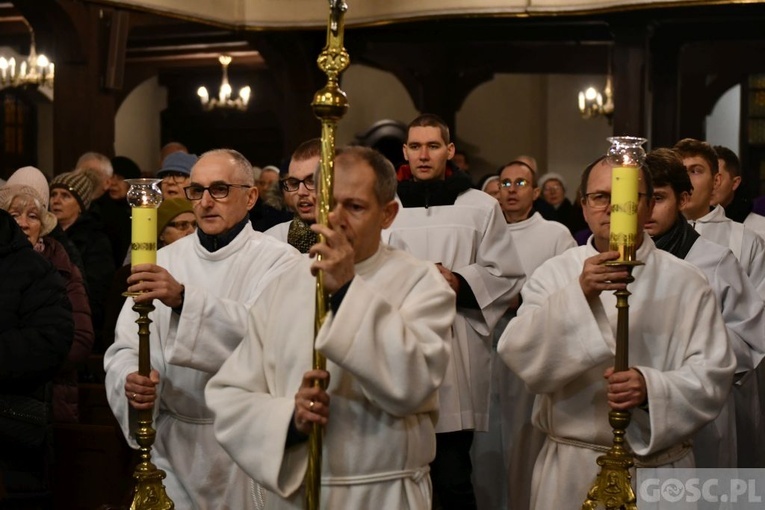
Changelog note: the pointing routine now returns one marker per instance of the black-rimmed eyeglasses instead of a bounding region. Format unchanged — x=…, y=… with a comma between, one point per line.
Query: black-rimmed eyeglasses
x=217, y=191
x=293, y=184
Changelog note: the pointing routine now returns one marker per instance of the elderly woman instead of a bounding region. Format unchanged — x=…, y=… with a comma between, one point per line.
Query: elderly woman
x=70, y=197
x=25, y=198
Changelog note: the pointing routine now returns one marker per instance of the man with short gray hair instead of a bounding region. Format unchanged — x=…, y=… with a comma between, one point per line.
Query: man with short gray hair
x=202, y=286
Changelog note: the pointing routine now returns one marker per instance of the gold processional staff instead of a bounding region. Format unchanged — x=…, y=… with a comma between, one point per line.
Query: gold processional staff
x=612, y=487
x=144, y=197
x=329, y=105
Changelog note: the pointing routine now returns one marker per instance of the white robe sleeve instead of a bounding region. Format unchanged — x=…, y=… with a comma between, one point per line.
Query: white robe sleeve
x=495, y=276
x=250, y=423
x=682, y=400
x=557, y=334
x=121, y=359
x=209, y=328
x=743, y=312
x=398, y=354
x=755, y=263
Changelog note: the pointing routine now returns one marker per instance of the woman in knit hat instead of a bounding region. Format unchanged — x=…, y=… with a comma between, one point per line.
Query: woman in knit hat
x=175, y=219
x=70, y=196
x=25, y=197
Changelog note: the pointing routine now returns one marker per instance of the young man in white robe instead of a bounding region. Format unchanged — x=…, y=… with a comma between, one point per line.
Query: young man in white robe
x=504, y=456
x=700, y=159
x=562, y=345
x=444, y=220
x=202, y=286
x=742, y=309
x=386, y=344
x=737, y=207
x=299, y=191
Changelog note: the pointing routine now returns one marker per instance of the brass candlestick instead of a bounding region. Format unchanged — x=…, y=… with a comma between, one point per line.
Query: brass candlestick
x=613, y=485
x=329, y=105
x=144, y=197
x=149, y=493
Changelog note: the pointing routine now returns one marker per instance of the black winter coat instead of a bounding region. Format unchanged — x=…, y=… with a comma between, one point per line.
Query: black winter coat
x=36, y=326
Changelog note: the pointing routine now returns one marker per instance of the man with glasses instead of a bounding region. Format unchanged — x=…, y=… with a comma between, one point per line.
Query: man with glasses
x=202, y=286
x=300, y=196
x=504, y=481
x=175, y=172
x=460, y=229
x=562, y=346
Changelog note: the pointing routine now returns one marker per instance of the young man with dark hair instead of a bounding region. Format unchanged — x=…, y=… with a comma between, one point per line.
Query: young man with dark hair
x=741, y=307
x=462, y=230
x=299, y=191
x=700, y=160
x=737, y=207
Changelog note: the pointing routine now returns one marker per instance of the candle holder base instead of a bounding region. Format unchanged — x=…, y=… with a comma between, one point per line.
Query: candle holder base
x=613, y=487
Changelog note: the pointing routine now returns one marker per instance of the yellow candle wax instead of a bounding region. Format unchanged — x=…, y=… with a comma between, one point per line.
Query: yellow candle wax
x=143, y=248
x=624, y=204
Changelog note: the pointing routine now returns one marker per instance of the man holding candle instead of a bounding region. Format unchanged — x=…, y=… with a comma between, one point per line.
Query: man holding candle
x=202, y=286
x=562, y=345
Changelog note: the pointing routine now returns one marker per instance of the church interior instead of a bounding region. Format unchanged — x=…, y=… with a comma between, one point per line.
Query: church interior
x=506, y=76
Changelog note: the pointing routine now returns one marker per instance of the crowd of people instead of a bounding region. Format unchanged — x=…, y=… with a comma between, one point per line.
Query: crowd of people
x=469, y=341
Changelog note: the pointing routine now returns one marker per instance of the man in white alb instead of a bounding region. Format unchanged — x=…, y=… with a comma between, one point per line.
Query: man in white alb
x=562, y=345
x=386, y=341
x=444, y=220
x=742, y=309
x=700, y=159
x=504, y=456
x=202, y=287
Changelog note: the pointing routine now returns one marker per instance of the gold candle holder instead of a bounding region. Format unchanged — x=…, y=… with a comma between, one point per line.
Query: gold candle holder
x=144, y=197
x=613, y=485
x=329, y=105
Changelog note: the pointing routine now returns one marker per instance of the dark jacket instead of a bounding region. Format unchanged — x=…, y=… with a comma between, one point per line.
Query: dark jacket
x=65, y=393
x=36, y=331
x=36, y=326
x=87, y=236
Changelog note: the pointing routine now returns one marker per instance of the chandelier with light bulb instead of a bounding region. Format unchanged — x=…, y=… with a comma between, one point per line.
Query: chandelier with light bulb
x=593, y=103
x=32, y=71
x=225, y=98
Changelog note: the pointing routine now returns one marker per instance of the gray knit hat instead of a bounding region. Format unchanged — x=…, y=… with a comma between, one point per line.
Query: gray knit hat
x=78, y=184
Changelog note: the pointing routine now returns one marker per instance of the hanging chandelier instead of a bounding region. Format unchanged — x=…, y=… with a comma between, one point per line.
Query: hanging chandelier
x=225, y=99
x=593, y=103
x=32, y=71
